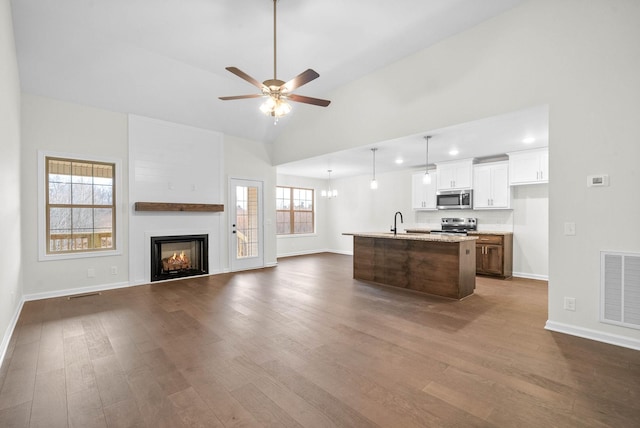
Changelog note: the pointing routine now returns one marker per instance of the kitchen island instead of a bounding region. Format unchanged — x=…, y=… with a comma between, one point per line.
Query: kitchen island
x=436, y=264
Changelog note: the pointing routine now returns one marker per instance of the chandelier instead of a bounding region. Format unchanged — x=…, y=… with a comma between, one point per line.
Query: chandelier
x=329, y=193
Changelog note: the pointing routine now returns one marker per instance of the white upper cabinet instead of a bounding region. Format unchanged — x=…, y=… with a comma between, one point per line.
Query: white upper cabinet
x=529, y=166
x=455, y=175
x=423, y=195
x=491, y=186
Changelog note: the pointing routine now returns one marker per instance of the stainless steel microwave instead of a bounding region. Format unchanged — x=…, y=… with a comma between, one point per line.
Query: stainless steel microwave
x=454, y=199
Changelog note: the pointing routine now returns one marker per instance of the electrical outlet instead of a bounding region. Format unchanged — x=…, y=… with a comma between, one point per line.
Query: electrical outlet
x=570, y=303
x=114, y=270
x=570, y=228
x=91, y=273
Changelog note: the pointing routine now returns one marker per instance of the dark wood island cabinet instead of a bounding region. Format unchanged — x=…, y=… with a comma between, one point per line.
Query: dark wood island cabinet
x=494, y=254
x=435, y=264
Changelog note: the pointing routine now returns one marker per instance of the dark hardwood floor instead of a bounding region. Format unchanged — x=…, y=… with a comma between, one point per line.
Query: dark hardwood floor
x=303, y=344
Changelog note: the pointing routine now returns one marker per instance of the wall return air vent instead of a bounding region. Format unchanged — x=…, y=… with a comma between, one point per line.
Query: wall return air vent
x=620, y=289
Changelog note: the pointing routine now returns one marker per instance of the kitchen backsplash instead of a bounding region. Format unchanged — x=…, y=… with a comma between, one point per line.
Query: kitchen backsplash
x=490, y=220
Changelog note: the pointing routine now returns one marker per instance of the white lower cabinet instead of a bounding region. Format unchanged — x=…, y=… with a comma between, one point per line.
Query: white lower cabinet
x=491, y=186
x=423, y=195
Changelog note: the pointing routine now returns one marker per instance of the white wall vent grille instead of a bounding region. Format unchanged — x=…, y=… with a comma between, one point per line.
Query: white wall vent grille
x=620, y=289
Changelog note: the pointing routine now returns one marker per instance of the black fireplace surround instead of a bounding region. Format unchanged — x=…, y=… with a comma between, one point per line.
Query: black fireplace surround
x=179, y=256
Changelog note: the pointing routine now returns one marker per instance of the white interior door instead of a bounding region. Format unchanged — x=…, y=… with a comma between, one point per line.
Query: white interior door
x=246, y=224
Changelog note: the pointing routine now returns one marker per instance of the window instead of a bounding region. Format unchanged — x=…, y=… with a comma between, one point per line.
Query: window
x=294, y=211
x=80, y=205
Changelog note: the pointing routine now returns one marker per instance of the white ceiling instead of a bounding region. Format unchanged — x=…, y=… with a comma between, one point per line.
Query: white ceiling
x=482, y=138
x=166, y=58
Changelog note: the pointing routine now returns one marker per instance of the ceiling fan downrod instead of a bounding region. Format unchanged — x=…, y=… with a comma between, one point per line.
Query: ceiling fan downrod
x=275, y=75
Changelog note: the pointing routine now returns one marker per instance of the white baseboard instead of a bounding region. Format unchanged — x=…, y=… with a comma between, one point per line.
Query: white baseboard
x=301, y=253
x=305, y=253
x=74, y=291
x=344, y=253
x=612, y=339
x=531, y=276
x=4, y=346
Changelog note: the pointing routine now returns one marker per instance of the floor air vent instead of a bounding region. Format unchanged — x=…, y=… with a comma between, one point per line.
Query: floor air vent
x=77, y=296
x=620, y=281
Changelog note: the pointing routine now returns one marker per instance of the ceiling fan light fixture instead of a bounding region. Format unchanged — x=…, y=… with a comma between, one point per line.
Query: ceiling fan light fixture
x=276, y=107
x=282, y=108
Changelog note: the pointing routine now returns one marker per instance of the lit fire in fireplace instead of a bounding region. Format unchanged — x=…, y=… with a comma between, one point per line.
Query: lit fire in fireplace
x=176, y=262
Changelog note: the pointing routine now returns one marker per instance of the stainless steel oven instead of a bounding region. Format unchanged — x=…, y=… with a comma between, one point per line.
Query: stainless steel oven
x=454, y=199
x=456, y=226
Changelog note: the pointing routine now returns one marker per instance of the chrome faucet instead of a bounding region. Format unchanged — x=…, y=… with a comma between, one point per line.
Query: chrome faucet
x=394, y=229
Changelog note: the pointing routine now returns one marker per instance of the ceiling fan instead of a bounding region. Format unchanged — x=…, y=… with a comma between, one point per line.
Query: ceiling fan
x=275, y=90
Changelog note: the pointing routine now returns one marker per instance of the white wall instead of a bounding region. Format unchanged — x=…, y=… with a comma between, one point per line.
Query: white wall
x=247, y=159
x=531, y=231
x=169, y=162
x=58, y=126
x=293, y=245
x=63, y=127
x=578, y=56
x=360, y=209
x=11, y=248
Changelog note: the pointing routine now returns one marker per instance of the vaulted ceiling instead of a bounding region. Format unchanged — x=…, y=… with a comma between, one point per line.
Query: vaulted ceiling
x=166, y=58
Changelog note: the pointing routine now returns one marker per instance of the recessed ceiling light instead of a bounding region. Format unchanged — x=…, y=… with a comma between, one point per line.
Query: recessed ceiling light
x=453, y=152
x=399, y=161
x=528, y=140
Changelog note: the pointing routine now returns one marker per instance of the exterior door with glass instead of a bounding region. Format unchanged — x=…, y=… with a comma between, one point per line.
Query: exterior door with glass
x=246, y=224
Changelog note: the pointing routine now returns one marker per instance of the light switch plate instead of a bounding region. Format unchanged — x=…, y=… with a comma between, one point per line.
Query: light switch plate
x=570, y=303
x=569, y=228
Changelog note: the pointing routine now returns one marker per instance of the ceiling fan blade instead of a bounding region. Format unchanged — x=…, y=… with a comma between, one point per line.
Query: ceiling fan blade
x=241, y=97
x=246, y=77
x=301, y=79
x=308, y=100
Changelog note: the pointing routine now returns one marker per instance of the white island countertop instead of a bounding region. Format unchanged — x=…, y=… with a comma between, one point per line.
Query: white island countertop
x=413, y=236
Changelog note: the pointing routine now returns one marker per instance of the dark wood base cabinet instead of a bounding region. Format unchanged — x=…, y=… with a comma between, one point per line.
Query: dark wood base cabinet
x=494, y=255
x=444, y=269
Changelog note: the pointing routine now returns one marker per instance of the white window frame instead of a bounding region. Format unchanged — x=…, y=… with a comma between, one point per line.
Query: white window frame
x=42, y=207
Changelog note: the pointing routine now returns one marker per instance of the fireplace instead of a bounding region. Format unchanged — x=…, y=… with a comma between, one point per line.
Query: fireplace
x=179, y=256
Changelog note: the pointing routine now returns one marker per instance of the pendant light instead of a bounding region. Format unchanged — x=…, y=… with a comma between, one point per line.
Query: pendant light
x=329, y=193
x=374, y=183
x=427, y=178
